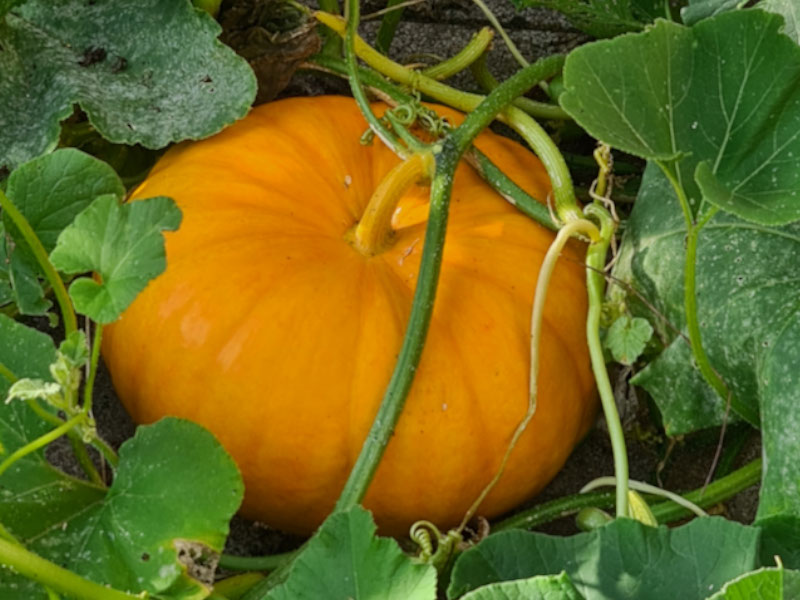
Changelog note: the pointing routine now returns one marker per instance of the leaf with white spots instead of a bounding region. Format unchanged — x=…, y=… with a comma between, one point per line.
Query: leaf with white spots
x=158, y=529
x=749, y=315
x=149, y=72
x=718, y=104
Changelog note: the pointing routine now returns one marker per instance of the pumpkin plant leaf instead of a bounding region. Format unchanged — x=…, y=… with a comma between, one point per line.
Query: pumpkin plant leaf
x=623, y=560
x=158, y=529
x=49, y=191
x=718, y=104
x=789, y=11
x=627, y=338
x=749, y=314
x=541, y=587
x=697, y=10
x=346, y=560
x=118, y=61
x=52, y=189
x=763, y=584
x=123, y=244
x=602, y=18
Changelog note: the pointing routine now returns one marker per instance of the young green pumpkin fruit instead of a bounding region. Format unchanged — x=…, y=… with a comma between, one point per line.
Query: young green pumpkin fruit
x=273, y=330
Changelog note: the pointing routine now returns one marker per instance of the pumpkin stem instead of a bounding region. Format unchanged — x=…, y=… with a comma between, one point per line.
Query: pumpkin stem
x=373, y=231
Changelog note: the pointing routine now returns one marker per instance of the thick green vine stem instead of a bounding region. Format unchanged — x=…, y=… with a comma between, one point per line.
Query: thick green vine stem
x=476, y=48
x=41, y=441
x=57, y=578
x=254, y=563
x=595, y=282
x=447, y=154
x=510, y=191
x=538, y=110
x=646, y=488
x=665, y=512
x=711, y=494
x=375, y=124
x=53, y=278
x=237, y=586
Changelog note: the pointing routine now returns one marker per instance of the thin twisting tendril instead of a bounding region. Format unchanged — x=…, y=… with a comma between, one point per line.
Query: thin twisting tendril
x=542, y=284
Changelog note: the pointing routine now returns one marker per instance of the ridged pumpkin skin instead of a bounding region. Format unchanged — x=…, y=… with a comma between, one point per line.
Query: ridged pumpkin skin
x=272, y=331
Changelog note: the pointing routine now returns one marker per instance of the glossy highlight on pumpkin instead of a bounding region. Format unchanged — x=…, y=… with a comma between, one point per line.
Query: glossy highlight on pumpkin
x=272, y=331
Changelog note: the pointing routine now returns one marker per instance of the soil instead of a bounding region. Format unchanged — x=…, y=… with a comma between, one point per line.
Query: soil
x=442, y=27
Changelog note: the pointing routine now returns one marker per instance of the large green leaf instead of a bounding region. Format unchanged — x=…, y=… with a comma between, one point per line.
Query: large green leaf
x=623, y=560
x=749, y=314
x=149, y=72
x=718, y=103
x=158, y=528
x=123, y=244
x=345, y=560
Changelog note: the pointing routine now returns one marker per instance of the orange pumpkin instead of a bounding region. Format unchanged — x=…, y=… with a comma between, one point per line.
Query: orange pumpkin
x=271, y=330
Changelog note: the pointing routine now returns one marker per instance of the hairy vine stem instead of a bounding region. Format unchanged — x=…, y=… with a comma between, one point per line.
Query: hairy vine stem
x=595, y=282
x=470, y=53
